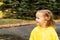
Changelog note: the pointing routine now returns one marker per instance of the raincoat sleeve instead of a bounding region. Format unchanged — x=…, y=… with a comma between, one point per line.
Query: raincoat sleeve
x=54, y=35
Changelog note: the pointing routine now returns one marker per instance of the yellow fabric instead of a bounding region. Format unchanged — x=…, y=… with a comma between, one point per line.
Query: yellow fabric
x=39, y=33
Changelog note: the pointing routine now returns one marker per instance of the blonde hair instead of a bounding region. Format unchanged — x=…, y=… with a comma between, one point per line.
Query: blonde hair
x=49, y=14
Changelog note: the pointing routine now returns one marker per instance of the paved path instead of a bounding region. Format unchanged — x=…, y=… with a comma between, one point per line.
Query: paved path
x=20, y=33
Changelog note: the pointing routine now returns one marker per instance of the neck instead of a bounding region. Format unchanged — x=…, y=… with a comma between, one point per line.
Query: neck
x=44, y=25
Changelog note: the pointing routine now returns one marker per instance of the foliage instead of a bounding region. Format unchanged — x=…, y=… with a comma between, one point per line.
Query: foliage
x=26, y=9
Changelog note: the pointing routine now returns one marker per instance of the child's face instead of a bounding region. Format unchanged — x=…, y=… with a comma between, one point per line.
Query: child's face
x=40, y=19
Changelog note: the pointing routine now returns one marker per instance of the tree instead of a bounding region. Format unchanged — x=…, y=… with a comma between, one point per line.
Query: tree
x=26, y=9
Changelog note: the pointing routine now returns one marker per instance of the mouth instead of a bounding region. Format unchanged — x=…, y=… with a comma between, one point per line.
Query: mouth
x=37, y=22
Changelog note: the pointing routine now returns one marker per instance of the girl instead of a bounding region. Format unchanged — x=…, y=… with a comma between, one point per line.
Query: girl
x=45, y=29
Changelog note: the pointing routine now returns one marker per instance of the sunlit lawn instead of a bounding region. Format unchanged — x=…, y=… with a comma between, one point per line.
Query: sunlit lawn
x=15, y=21
x=20, y=21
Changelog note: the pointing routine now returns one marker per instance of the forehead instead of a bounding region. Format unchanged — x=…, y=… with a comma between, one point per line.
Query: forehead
x=39, y=14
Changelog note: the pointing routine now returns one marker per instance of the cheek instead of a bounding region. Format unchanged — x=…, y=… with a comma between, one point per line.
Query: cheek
x=38, y=20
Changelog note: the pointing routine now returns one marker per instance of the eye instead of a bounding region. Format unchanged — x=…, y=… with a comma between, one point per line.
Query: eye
x=37, y=18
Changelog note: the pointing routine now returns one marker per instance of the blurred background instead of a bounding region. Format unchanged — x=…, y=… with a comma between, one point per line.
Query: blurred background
x=26, y=9
x=21, y=12
x=12, y=11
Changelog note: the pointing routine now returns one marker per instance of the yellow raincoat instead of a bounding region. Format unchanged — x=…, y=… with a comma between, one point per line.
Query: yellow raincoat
x=48, y=33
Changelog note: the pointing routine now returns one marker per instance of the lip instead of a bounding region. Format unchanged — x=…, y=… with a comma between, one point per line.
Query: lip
x=37, y=22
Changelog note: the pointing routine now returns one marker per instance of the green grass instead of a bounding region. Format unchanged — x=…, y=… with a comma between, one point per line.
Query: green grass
x=20, y=21
x=14, y=21
x=9, y=21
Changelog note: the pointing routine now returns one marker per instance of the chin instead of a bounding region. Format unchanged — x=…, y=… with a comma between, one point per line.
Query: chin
x=37, y=23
